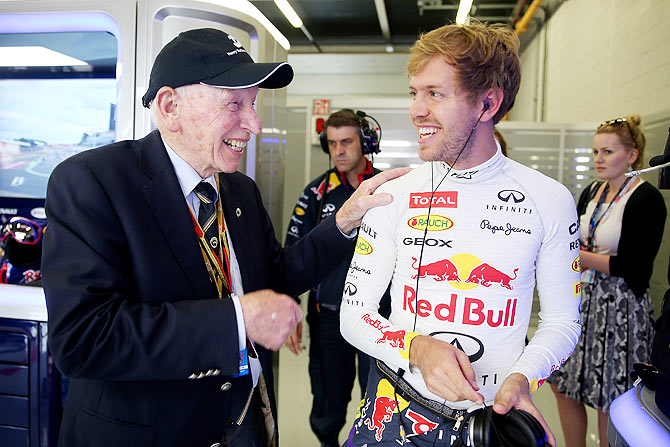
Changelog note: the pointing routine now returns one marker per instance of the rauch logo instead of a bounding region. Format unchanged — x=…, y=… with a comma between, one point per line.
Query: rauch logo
x=434, y=223
x=363, y=247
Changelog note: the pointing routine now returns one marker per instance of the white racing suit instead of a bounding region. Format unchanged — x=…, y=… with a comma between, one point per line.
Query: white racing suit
x=493, y=232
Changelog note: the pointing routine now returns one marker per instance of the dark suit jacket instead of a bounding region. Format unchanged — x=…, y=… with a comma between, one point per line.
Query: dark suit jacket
x=132, y=312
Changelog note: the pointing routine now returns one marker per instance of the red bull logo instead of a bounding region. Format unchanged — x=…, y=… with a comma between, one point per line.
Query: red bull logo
x=397, y=339
x=441, y=199
x=377, y=324
x=480, y=273
x=443, y=270
x=473, y=311
x=432, y=222
x=383, y=412
x=485, y=275
x=578, y=288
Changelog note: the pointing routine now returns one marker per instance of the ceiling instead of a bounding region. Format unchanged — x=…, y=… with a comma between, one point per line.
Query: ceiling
x=345, y=26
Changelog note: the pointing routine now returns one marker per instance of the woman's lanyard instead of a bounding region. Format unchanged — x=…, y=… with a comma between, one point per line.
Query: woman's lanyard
x=595, y=219
x=219, y=276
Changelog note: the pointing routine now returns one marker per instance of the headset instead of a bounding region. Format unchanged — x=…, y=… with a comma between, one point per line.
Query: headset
x=369, y=137
x=516, y=428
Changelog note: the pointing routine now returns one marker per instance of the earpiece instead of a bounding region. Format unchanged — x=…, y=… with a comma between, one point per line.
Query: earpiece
x=487, y=105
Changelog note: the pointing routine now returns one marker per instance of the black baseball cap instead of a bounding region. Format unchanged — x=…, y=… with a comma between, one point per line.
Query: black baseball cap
x=212, y=57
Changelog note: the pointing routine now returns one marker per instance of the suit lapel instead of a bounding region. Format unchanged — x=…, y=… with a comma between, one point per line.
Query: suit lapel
x=234, y=214
x=166, y=201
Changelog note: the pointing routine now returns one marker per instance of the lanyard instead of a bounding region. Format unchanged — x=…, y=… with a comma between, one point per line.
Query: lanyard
x=220, y=277
x=595, y=219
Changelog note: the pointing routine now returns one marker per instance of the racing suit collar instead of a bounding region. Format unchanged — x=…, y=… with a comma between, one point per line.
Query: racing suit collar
x=475, y=174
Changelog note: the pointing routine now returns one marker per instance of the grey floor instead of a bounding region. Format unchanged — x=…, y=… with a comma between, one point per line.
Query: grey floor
x=294, y=401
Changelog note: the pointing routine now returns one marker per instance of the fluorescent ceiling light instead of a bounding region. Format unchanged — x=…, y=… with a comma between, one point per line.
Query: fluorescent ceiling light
x=463, y=11
x=289, y=13
x=35, y=57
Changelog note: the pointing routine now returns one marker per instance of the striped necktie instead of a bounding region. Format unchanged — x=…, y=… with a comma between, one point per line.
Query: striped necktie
x=207, y=213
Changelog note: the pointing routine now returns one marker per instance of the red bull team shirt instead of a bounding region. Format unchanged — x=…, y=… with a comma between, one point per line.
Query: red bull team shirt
x=493, y=233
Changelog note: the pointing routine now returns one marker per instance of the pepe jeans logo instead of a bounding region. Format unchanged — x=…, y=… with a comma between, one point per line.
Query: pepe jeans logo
x=516, y=196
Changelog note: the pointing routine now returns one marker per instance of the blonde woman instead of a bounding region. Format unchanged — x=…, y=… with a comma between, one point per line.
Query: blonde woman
x=620, y=227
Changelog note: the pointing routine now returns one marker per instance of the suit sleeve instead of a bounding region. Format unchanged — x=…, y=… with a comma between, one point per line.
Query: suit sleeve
x=99, y=328
x=559, y=289
x=370, y=272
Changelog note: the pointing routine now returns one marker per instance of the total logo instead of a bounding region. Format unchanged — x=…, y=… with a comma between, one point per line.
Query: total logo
x=441, y=199
x=454, y=269
x=433, y=222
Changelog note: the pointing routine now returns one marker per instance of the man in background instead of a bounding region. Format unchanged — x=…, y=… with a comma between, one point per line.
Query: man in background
x=346, y=138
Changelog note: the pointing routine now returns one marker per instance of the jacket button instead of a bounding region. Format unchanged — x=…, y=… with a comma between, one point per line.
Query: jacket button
x=226, y=386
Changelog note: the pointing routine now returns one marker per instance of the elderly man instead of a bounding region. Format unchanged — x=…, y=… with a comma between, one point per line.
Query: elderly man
x=161, y=269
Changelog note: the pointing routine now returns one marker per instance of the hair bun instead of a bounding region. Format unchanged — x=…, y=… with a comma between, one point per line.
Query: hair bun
x=635, y=119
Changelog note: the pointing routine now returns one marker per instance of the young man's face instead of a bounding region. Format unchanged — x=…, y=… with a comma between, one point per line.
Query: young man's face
x=441, y=114
x=344, y=144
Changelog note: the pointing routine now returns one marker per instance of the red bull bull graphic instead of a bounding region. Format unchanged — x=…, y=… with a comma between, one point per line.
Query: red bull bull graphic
x=333, y=182
x=473, y=311
x=577, y=288
x=439, y=199
x=450, y=269
x=382, y=412
x=396, y=339
x=432, y=222
x=443, y=270
x=485, y=275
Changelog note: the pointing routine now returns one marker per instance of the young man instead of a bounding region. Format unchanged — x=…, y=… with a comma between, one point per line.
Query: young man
x=332, y=366
x=164, y=282
x=466, y=239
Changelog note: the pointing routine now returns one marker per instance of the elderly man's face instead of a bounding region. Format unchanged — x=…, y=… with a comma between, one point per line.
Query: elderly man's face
x=216, y=125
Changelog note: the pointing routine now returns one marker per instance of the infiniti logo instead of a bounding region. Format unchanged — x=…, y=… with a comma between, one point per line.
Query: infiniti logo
x=470, y=345
x=350, y=289
x=517, y=196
